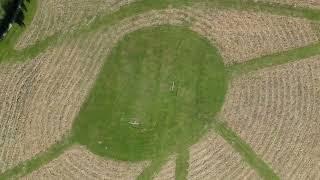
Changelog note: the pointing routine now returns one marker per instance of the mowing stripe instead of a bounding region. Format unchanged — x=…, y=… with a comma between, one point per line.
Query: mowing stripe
x=155, y=166
x=274, y=59
x=280, y=9
x=182, y=164
x=41, y=159
x=246, y=152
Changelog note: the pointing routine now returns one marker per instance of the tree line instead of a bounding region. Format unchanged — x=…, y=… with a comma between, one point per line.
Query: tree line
x=14, y=12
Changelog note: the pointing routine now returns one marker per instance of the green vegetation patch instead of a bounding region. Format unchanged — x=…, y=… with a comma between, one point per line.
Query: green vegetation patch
x=159, y=90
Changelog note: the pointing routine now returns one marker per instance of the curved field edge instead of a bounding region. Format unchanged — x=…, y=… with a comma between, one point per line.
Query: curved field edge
x=7, y=53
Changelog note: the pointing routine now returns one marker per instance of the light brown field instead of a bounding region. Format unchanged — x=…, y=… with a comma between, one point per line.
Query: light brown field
x=242, y=35
x=213, y=158
x=276, y=110
x=41, y=98
x=59, y=16
x=297, y=3
x=78, y=163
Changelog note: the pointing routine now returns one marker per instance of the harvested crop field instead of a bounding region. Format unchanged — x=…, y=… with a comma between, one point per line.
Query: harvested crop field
x=125, y=89
x=276, y=111
x=242, y=36
x=59, y=16
x=79, y=163
x=213, y=158
x=297, y=3
x=44, y=95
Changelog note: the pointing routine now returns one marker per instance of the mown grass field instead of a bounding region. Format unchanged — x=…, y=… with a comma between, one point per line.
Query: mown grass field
x=152, y=98
x=145, y=81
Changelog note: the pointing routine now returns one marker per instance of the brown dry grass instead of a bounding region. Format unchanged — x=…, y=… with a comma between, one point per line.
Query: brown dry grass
x=213, y=158
x=53, y=16
x=301, y=3
x=42, y=96
x=241, y=35
x=276, y=110
x=78, y=163
x=167, y=171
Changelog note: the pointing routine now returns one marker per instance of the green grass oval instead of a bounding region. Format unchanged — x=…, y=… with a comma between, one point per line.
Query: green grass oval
x=157, y=92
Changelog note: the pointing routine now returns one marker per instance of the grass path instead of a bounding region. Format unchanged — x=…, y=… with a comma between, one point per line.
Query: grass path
x=246, y=152
x=151, y=170
x=275, y=59
x=182, y=164
x=41, y=159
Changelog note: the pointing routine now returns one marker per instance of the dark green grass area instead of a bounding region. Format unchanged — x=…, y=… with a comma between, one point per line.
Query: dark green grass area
x=158, y=91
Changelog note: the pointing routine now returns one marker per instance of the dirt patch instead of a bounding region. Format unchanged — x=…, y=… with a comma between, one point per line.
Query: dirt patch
x=78, y=163
x=276, y=111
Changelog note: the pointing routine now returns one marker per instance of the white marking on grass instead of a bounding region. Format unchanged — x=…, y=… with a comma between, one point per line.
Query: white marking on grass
x=172, y=86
